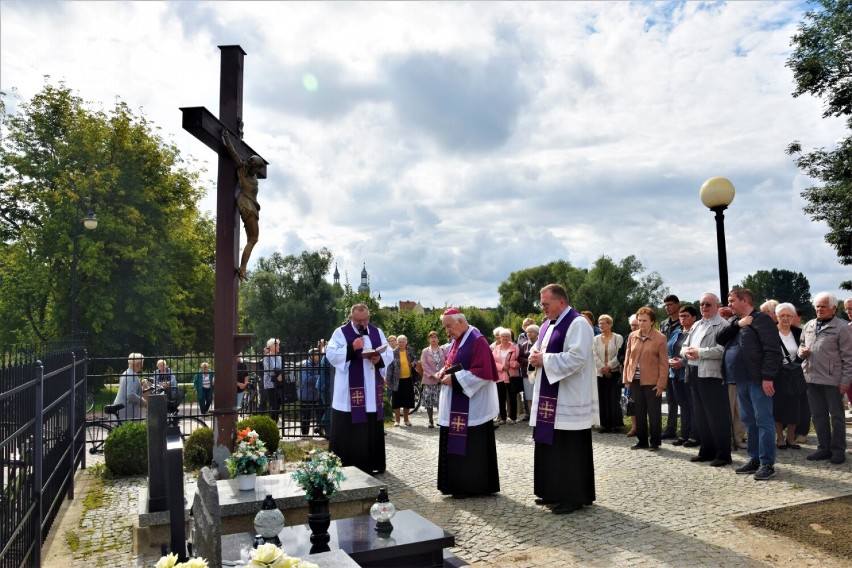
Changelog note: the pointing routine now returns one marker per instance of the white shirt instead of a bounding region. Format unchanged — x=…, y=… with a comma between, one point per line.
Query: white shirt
x=574, y=369
x=335, y=352
x=481, y=392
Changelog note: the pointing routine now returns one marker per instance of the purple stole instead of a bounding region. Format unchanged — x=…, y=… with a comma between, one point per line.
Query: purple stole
x=460, y=405
x=545, y=416
x=357, y=396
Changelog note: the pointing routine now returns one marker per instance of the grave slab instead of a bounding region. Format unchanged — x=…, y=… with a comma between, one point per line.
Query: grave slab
x=355, y=497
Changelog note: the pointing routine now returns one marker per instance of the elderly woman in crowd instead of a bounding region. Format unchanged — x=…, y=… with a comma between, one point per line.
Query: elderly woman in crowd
x=711, y=413
x=506, y=357
x=605, y=348
x=646, y=369
x=130, y=389
x=432, y=358
x=166, y=379
x=392, y=342
x=525, y=345
x=785, y=405
x=400, y=379
x=634, y=326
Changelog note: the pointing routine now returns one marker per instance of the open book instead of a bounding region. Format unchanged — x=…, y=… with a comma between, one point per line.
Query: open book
x=367, y=353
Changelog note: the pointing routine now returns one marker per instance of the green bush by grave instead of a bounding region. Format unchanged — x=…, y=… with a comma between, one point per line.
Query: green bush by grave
x=265, y=427
x=126, y=449
x=198, y=449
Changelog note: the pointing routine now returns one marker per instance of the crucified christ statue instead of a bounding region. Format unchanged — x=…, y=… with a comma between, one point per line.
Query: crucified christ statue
x=247, y=199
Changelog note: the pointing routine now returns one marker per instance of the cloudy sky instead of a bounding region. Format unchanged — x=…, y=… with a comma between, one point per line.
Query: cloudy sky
x=449, y=144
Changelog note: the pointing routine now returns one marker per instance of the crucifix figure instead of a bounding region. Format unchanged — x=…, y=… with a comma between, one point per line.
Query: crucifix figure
x=247, y=198
x=234, y=192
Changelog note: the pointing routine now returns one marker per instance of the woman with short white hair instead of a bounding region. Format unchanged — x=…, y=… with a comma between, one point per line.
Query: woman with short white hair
x=130, y=389
x=785, y=405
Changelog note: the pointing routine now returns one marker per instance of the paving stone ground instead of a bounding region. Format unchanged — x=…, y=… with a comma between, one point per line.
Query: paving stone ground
x=652, y=509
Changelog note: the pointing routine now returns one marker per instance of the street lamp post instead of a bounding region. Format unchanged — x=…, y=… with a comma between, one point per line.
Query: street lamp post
x=90, y=222
x=716, y=194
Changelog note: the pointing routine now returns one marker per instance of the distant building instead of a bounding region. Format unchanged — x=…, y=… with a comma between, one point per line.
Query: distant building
x=364, y=287
x=411, y=306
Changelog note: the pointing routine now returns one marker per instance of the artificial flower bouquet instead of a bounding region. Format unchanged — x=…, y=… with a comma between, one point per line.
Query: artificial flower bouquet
x=264, y=556
x=319, y=474
x=249, y=456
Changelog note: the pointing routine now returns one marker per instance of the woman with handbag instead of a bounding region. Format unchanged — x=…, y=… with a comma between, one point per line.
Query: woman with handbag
x=400, y=379
x=432, y=359
x=787, y=399
x=605, y=348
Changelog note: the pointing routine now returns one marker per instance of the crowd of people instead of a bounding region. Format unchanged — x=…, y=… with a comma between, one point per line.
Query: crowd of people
x=735, y=376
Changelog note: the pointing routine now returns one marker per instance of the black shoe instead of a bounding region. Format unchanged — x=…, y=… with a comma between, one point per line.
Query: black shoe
x=668, y=436
x=838, y=459
x=638, y=446
x=750, y=467
x=544, y=502
x=718, y=462
x=566, y=508
x=679, y=442
x=691, y=444
x=653, y=448
x=461, y=495
x=696, y=459
x=819, y=455
x=765, y=472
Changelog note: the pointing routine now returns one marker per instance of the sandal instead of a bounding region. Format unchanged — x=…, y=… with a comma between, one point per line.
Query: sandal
x=408, y=424
x=396, y=424
x=431, y=425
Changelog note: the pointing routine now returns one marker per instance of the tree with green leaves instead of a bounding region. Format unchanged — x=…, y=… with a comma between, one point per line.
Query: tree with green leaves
x=782, y=285
x=145, y=275
x=615, y=288
x=618, y=289
x=519, y=293
x=289, y=297
x=822, y=66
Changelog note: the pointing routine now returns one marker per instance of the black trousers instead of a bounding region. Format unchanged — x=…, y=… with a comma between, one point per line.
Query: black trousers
x=503, y=393
x=712, y=416
x=649, y=409
x=609, y=401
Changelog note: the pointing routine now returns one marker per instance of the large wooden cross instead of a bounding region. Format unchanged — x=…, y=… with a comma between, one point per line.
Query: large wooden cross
x=201, y=123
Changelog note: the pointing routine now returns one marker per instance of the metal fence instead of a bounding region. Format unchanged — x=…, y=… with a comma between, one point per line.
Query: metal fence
x=42, y=419
x=298, y=404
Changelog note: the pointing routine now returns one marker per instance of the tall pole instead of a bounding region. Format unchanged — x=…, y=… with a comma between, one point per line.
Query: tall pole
x=76, y=238
x=723, y=254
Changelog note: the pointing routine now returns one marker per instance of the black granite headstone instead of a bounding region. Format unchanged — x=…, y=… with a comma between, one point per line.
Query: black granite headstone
x=156, y=451
x=174, y=487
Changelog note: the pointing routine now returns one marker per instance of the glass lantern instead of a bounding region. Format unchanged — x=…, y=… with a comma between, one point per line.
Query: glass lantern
x=383, y=511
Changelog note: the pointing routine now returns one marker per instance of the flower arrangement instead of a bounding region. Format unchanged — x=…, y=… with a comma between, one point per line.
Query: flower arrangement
x=264, y=556
x=270, y=556
x=319, y=474
x=249, y=456
x=171, y=561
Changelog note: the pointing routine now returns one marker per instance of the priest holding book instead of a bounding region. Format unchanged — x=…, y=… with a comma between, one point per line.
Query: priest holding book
x=467, y=450
x=564, y=406
x=358, y=351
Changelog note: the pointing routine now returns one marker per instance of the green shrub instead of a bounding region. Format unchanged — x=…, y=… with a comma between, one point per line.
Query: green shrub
x=198, y=449
x=265, y=427
x=386, y=406
x=126, y=449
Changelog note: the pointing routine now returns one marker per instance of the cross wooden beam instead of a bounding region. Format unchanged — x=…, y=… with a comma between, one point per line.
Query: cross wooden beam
x=202, y=124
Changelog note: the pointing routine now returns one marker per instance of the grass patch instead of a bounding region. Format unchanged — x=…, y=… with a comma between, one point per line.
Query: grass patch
x=95, y=498
x=295, y=451
x=72, y=540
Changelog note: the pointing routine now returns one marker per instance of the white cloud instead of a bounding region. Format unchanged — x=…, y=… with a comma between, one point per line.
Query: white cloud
x=448, y=144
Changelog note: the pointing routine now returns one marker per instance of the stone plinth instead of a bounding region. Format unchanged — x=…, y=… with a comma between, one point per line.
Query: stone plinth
x=357, y=493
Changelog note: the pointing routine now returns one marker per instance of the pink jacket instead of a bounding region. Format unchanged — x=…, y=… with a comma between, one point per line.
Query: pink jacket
x=428, y=362
x=510, y=369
